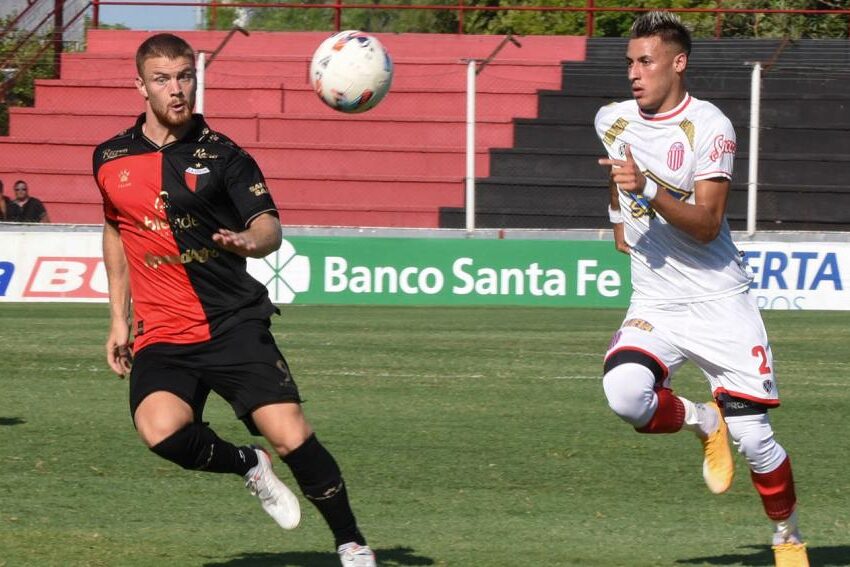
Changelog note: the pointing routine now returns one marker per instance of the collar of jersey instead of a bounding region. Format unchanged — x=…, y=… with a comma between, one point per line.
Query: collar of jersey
x=196, y=132
x=670, y=113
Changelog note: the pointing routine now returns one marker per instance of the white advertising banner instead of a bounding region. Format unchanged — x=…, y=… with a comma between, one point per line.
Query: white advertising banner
x=52, y=266
x=799, y=275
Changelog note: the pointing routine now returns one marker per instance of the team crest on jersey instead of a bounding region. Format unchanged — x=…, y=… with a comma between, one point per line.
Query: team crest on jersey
x=196, y=176
x=676, y=156
x=768, y=386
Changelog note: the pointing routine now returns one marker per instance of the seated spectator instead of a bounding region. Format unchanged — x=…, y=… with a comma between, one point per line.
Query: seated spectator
x=25, y=208
x=4, y=203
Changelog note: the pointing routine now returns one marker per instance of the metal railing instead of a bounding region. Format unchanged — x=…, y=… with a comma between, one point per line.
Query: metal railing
x=590, y=10
x=56, y=33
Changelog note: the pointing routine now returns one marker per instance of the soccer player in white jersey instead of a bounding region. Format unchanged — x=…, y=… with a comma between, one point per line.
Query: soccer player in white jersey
x=670, y=157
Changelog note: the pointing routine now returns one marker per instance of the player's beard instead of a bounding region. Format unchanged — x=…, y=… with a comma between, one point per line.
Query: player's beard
x=171, y=119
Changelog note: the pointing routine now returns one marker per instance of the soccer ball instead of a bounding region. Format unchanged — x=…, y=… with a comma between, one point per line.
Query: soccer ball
x=351, y=71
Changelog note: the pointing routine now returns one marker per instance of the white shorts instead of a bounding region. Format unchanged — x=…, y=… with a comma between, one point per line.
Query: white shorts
x=725, y=338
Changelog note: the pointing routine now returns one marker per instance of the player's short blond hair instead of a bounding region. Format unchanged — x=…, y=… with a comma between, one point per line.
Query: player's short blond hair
x=163, y=45
x=665, y=25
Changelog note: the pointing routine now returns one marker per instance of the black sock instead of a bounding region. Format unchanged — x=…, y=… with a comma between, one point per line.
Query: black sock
x=196, y=447
x=319, y=477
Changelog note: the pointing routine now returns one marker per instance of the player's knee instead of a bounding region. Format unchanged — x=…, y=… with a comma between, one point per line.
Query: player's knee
x=754, y=438
x=629, y=390
x=191, y=447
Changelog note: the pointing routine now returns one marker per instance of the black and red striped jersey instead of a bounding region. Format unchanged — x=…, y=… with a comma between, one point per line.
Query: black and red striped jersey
x=167, y=202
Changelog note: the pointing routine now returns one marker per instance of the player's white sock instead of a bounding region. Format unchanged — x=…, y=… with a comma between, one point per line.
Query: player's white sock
x=786, y=531
x=699, y=418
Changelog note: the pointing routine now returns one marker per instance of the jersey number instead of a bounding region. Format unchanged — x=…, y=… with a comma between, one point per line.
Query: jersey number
x=759, y=351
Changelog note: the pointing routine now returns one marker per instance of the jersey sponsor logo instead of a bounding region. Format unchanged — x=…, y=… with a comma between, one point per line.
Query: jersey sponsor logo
x=676, y=156
x=284, y=273
x=176, y=224
x=109, y=154
x=615, y=130
x=768, y=386
x=639, y=324
x=79, y=278
x=720, y=146
x=202, y=153
x=161, y=203
x=690, y=131
x=258, y=189
x=196, y=176
x=200, y=255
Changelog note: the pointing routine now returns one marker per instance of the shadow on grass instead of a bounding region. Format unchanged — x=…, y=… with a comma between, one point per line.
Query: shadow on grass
x=395, y=556
x=823, y=556
x=11, y=421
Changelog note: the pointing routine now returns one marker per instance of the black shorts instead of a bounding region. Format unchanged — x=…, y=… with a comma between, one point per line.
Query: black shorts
x=243, y=366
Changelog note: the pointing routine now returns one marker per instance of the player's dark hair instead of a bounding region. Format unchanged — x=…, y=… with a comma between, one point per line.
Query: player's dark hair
x=163, y=45
x=665, y=25
x=21, y=181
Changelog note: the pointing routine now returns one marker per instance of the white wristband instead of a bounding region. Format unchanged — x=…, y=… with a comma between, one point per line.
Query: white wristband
x=650, y=189
x=615, y=216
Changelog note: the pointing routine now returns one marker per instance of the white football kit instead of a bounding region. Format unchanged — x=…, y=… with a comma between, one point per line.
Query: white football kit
x=689, y=299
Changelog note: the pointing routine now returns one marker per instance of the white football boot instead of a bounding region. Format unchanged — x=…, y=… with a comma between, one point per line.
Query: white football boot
x=355, y=555
x=277, y=500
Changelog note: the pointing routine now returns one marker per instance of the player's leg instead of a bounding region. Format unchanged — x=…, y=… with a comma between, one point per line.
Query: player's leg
x=640, y=361
x=736, y=357
x=771, y=473
x=252, y=374
x=317, y=474
x=166, y=403
x=637, y=370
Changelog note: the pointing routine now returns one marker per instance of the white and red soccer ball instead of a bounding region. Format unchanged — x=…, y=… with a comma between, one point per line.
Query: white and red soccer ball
x=351, y=71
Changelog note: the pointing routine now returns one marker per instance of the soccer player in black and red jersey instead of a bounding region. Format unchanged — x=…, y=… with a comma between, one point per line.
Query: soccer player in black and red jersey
x=184, y=206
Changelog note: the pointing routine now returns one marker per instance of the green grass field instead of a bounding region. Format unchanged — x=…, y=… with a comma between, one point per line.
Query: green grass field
x=468, y=436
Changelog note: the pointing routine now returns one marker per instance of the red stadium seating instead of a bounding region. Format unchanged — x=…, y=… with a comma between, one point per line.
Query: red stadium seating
x=393, y=166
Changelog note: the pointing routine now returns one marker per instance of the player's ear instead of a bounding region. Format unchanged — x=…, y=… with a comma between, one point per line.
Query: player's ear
x=680, y=62
x=140, y=86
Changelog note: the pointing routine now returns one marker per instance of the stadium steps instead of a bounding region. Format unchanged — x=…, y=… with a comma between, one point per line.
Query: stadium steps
x=805, y=121
x=408, y=72
x=284, y=128
x=270, y=96
x=275, y=158
x=301, y=199
x=449, y=47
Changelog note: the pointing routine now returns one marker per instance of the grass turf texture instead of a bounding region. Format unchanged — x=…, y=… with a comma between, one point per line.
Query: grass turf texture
x=468, y=436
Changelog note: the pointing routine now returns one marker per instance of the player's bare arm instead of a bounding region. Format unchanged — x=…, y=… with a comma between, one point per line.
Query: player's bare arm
x=262, y=237
x=618, y=227
x=118, y=276
x=701, y=220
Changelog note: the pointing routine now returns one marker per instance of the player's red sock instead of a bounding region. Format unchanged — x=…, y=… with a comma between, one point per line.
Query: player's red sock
x=669, y=415
x=776, y=489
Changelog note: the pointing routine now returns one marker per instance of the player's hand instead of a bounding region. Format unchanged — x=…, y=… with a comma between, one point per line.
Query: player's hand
x=119, y=354
x=241, y=243
x=620, y=239
x=626, y=173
